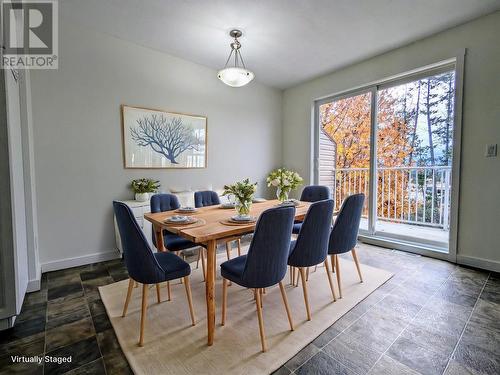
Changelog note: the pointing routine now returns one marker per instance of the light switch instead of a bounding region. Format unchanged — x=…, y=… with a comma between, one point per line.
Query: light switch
x=491, y=151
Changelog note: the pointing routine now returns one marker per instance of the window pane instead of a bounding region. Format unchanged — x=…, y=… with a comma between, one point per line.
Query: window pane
x=344, y=154
x=414, y=151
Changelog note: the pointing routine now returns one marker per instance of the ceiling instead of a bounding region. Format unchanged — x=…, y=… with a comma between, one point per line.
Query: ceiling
x=285, y=42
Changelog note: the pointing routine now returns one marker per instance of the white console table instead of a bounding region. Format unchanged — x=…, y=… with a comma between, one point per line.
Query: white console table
x=138, y=209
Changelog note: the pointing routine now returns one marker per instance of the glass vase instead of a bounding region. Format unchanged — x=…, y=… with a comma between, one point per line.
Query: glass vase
x=243, y=208
x=282, y=194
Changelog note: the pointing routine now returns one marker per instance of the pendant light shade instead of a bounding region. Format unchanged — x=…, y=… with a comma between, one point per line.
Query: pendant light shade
x=236, y=75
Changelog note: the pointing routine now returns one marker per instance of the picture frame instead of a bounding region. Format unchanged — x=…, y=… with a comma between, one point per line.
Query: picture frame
x=159, y=139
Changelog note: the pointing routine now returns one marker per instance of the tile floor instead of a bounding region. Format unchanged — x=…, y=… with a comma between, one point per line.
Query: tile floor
x=432, y=317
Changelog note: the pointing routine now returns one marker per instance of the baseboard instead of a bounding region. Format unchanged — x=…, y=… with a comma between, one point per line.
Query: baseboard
x=484, y=264
x=34, y=285
x=79, y=261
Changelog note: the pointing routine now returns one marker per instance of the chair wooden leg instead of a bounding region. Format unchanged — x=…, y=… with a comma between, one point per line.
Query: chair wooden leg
x=198, y=260
x=238, y=242
x=304, y=290
x=330, y=281
x=287, y=308
x=290, y=272
x=228, y=250
x=145, y=289
x=158, y=295
x=181, y=254
x=168, y=291
x=224, y=301
x=337, y=271
x=187, y=285
x=129, y=294
x=258, y=303
x=307, y=274
x=297, y=277
x=203, y=266
x=356, y=262
x=332, y=259
x=261, y=298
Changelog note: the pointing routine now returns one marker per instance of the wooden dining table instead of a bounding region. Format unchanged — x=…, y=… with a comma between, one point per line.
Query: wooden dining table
x=211, y=227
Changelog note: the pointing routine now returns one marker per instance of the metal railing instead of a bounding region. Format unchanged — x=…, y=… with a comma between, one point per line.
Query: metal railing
x=414, y=195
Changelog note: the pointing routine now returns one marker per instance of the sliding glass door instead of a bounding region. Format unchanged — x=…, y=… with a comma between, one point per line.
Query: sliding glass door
x=394, y=143
x=414, y=159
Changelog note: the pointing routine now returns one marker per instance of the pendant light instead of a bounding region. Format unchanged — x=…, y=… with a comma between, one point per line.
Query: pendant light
x=235, y=76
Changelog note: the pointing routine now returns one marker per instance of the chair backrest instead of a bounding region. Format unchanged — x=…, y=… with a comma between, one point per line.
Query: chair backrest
x=344, y=233
x=206, y=198
x=267, y=255
x=141, y=263
x=315, y=193
x=164, y=202
x=311, y=247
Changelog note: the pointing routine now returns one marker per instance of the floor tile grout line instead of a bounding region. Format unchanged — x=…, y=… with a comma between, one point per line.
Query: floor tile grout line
x=76, y=368
x=92, y=319
x=363, y=314
x=466, y=324
x=414, y=317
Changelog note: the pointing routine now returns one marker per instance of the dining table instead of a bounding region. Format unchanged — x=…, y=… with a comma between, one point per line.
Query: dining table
x=212, y=224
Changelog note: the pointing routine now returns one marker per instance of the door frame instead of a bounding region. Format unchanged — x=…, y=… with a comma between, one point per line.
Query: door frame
x=427, y=248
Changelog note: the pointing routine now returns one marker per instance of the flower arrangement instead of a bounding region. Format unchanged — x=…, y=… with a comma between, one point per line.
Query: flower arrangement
x=285, y=181
x=243, y=192
x=142, y=187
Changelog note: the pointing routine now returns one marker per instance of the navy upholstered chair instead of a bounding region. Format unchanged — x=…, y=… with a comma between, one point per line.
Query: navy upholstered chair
x=265, y=263
x=344, y=235
x=211, y=198
x=172, y=242
x=146, y=267
x=311, y=246
x=312, y=193
x=206, y=198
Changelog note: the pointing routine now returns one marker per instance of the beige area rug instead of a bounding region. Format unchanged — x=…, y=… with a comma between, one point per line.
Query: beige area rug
x=173, y=346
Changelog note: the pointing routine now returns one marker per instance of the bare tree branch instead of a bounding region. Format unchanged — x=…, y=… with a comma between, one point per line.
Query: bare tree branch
x=169, y=139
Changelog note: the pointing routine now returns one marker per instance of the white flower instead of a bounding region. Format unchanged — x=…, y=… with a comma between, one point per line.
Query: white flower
x=275, y=182
x=286, y=183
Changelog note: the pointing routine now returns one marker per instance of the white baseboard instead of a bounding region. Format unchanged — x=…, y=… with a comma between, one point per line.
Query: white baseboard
x=484, y=264
x=34, y=285
x=79, y=261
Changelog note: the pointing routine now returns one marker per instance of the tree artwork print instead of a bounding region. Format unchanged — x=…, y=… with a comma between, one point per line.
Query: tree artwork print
x=159, y=139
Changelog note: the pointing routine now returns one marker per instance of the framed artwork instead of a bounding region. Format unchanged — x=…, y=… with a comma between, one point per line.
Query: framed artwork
x=153, y=138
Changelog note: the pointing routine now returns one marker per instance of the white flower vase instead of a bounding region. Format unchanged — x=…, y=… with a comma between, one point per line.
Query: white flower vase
x=141, y=197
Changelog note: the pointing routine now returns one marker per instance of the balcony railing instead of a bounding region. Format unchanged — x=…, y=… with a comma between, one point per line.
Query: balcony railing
x=413, y=195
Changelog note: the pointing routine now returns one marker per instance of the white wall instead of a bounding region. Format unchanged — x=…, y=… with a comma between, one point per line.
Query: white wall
x=78, y=143
x=479, y=209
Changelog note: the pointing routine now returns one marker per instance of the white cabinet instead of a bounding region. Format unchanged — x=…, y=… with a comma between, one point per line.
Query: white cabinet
x=138, y=209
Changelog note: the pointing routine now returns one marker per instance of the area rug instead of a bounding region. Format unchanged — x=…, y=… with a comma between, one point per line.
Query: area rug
x=174, y=346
